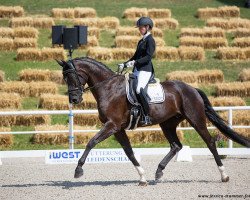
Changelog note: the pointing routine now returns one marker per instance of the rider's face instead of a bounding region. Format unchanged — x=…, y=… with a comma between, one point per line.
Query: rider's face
x=143, y=30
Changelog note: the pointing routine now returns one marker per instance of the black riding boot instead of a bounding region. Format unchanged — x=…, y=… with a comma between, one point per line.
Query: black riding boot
x=144, y=103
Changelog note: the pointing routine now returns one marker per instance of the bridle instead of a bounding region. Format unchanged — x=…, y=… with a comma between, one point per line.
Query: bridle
x=72, y=69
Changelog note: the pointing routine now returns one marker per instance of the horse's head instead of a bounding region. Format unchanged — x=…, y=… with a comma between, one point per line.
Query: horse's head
x=73, y=80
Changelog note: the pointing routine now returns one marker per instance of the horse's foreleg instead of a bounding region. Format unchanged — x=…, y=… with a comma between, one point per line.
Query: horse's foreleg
x=122, y=138
x=108, y=129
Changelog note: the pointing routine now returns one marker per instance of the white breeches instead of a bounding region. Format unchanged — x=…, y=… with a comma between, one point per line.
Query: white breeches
x=143, y=79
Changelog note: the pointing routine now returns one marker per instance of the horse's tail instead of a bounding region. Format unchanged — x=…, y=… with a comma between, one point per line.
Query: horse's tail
x=220, y=123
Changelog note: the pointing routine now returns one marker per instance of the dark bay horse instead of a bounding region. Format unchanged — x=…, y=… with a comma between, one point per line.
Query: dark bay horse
x=181, y=102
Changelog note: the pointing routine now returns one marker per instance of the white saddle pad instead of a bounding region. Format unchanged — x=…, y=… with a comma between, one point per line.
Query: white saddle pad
x=155, y=92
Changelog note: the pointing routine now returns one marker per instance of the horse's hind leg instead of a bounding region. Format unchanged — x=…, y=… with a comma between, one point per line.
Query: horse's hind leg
x=198, y=121
x=169, y=129
x=122, y=138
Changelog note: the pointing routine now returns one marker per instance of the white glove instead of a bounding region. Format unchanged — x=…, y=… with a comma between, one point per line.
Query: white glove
x=130, y=63
x=121, y=67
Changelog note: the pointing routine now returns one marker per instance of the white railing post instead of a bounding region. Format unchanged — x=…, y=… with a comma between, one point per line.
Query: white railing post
x=71, y=127
x=230, y=123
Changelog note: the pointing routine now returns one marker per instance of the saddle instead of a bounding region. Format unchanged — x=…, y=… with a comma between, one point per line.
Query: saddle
x=154, y=93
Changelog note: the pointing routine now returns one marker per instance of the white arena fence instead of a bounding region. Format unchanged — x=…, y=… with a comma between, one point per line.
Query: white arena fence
x=71, y=114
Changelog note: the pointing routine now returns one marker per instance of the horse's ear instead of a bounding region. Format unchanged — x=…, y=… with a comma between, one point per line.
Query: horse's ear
x=60, y=62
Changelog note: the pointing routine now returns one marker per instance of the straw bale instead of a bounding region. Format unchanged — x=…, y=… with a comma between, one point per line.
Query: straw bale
x=241, y=42
x=53, y=53
x=38, y=88
x=240, y=117
x=159, y=13
x=6, y=32
x=54, y=102
x=100, y=53
x=227, y=101
x=191, y=53
x=87, y=120
x=133, y=12
x=8, y=121
x=84, y=12
x=203, y=32
x=60, y=138
x=127, y=31
x=240, y=89
x=191, y=41
x=90, y=22
x=167, y=23
x=6, y=44
x=244, y=75
x=21, y=21
x=29, y=75
x=243, y=131
x=126, y=41
x=229, y=11
x=230, y=53
x=144, y=137
x=28, y=54
x=122, y=53
x=6, y=140
x=156, y=32
x=25, y=43
x=10, y=100
x=11, y=11
x=92, y=42
x=56, y=76
x=240, y=32
x=159, y=42
x=167, y=53
x=108, y=23
x=224, y=11
x=192, y=32
x=214, y=42
x=246, y=51
x=209, y=76
x=205, y=13
x=213, y=32
x=19, y=87
x=94, y=31
x=228, y=24
x=2, y=76
x=63, y=12
x=43, y=22
x=32, y=120
x=25, y=32
x=185, y=76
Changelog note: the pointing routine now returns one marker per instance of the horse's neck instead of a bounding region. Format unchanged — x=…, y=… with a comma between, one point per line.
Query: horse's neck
x=96, y=77
x=96, y=74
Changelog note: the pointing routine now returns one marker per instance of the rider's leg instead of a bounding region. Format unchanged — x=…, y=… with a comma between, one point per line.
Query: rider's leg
x=143, y=79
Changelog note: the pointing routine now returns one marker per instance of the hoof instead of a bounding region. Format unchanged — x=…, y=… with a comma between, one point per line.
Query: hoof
x=226, y=179
x=143, y=183
x=158, y=176
x=78, y=172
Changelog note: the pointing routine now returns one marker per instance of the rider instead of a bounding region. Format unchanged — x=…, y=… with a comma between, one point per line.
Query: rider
x=141, y=62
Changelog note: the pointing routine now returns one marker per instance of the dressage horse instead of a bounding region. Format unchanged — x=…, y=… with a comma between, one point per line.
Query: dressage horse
x=181, y=102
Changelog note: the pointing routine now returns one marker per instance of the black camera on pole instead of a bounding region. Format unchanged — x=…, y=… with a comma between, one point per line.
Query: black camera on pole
x=70, y=38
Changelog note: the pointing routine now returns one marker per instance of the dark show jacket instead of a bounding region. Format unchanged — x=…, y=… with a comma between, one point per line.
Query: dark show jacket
x=143, y=54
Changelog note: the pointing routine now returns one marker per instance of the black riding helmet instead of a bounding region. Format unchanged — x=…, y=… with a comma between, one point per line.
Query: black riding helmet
x=143, y=21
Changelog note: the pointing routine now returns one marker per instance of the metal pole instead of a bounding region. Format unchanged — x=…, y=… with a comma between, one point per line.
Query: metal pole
x=71, y=127
x=230, y=123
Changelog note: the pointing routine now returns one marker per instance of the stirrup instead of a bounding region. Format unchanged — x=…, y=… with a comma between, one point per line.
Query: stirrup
x=146, y=121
